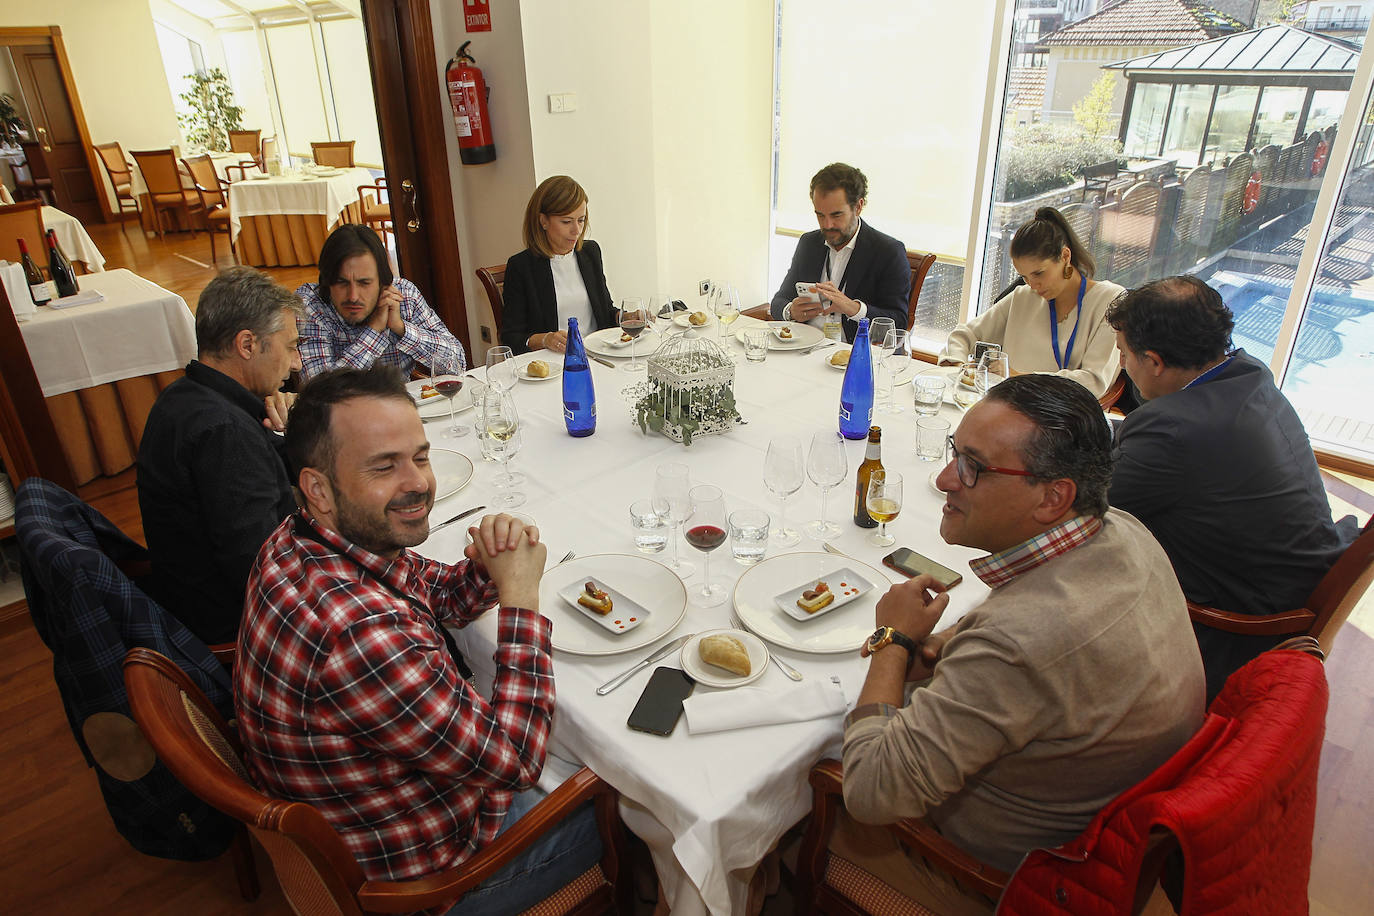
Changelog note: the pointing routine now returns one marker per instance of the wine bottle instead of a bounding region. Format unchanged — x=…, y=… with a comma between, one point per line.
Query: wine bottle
x=856, y=393
x=60, y=269
x=873, y=461
x=579, y=398
x=39, y=290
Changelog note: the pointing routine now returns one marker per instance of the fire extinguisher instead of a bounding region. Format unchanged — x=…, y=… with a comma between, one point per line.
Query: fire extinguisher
x=467, y=93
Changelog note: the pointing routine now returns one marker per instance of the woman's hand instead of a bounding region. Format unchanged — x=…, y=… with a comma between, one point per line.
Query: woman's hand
x=554, y=341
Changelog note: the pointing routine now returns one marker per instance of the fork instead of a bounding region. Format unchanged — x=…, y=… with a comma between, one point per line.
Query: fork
x=567, y=556
x=785, y=668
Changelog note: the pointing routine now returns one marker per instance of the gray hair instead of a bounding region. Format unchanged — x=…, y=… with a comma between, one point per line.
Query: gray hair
x=241, y=299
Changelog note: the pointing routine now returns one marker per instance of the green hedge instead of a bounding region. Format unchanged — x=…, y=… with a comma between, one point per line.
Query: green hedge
x=1041, y=157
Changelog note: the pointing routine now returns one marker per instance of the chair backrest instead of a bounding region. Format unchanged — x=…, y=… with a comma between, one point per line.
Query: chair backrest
x=1344, y=584
x=160, y=172
x=202, y=171
x=244, y=141
x=116, y=166
x=920, y=262
x=1240, y=797
x=494, y=282
x=36, y=159
x=337, y=153
x=22, y=221
x=269, y=152
x=317, y=872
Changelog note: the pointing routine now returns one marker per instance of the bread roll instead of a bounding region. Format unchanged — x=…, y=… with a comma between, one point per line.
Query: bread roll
x=726, y=652
x=537, y=369
x=840, y=358
x=698, y=318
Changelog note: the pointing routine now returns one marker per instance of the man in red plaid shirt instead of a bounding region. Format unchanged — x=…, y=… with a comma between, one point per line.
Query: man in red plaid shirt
x=348, y=693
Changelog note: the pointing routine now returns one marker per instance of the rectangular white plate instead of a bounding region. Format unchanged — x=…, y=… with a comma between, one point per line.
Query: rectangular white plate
x=624, y=615
x=845, y=584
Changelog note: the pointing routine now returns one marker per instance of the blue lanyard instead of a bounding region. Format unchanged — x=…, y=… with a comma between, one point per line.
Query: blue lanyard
x=1063, y=362
x=1213, y=372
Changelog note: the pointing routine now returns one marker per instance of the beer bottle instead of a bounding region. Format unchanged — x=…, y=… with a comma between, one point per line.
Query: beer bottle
x=872, y=462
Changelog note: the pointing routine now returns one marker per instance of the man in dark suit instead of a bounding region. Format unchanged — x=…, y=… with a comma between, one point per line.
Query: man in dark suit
x=1216, y=463
x=858, y=271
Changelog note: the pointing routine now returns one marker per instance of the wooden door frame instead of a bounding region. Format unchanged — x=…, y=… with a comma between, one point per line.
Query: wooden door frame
x=410, y=116
x=52, y=36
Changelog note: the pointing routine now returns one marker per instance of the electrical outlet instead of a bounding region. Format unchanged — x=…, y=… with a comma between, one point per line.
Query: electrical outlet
x=704, y=288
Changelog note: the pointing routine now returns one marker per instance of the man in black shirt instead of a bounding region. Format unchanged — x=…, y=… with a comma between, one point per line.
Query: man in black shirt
x=212, y=473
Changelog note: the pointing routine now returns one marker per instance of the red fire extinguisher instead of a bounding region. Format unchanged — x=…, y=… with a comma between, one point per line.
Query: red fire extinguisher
x=467, y=93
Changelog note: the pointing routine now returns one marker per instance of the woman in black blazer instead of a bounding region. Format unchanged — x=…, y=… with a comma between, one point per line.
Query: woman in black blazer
x=559, y=274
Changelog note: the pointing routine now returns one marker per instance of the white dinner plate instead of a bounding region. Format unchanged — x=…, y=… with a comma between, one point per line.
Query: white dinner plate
x=683, y=319
x=437, y=406
x=803, y=336
x=712, y=676
x=842, y=631
x=645, y=582
x=452, y=471
x=522, y=371
x=606, y=342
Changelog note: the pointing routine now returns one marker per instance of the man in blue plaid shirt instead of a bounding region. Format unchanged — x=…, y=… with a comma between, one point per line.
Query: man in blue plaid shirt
x=360, y=314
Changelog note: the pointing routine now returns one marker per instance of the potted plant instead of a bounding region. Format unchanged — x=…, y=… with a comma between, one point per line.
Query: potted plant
x=12, y=127
x=213, y=112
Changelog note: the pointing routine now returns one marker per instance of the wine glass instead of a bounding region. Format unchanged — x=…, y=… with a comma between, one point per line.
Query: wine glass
x=726, y=308
x=783, y=475
x=966, y=392
x=878, y=330
x=633, y=319
x=884, y=501
x=827, y=465
x=993, y=369
x=895, y=359
x=707, y=532
x=500, y=369
x=501, y=437
x=449, y=386
x=672, y=500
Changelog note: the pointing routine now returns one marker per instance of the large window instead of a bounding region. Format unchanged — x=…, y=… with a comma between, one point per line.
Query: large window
x=1187, y=120
x=1146, y=130
x=1277, y=118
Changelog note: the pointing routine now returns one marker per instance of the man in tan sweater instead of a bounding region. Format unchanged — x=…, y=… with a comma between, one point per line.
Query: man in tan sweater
x=1075, y=679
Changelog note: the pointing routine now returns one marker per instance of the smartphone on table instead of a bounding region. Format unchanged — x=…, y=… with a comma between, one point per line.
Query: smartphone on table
x=911, y=564
x=660, y=705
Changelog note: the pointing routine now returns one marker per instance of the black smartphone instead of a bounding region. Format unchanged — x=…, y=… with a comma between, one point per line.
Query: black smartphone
x=660, y=705
x=910, y=563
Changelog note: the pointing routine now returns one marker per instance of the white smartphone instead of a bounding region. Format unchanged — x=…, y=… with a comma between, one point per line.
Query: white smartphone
x=804, y=292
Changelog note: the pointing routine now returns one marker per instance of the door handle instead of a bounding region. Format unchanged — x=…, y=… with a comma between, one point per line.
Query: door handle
x=408, y=189
x=43, y=138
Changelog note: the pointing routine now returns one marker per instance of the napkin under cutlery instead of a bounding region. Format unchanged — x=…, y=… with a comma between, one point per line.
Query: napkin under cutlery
x=749, y=707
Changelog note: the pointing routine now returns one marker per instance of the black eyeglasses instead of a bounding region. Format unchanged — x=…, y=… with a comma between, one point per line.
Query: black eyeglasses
x=968, y=468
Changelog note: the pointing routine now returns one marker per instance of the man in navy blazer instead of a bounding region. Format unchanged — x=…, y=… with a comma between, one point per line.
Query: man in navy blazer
x=858, y=271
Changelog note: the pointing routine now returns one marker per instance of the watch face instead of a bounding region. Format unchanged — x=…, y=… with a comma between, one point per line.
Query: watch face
x=878, y=639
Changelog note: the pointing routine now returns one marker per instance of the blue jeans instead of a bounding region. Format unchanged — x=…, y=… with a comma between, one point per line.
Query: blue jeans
x=569, y=848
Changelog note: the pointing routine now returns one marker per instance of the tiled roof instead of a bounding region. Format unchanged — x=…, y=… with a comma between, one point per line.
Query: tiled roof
x=1272, y=48
x=1133, y=23
x=1026, y=87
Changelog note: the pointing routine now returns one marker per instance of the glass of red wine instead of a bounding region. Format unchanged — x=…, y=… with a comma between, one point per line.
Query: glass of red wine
x=634, y=318
x=706, y=528
x=449, y=386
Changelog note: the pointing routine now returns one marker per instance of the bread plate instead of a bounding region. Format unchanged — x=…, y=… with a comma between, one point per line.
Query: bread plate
x=522, y=371
x=845, y=584
x=684, y=319
x=710, y=675
x=829, y=352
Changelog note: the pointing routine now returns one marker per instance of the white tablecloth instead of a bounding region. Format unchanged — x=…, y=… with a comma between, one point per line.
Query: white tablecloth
x=76, y=244
x=139, y=329
x=270, y=196
x=709, y=806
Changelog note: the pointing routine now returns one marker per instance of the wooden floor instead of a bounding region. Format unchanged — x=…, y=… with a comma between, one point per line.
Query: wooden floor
x=59, y=852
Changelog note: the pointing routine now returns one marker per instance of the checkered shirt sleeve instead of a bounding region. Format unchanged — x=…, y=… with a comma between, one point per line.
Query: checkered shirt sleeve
x=329, y=342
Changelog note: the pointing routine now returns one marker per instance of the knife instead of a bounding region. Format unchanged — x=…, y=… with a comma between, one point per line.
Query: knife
x=605, y=362
x=460, y=516
x=664, y=652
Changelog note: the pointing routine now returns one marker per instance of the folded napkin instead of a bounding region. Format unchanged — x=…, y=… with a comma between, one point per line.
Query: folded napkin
x=747, y=707
x=17, y=289
x=85, y=297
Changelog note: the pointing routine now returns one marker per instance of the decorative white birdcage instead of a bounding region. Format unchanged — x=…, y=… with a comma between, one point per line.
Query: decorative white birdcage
x=690, y=391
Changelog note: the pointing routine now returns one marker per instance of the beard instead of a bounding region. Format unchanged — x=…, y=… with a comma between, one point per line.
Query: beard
x=379, y=532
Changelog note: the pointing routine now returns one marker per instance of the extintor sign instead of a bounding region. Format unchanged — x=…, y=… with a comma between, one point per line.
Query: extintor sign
x=477, y=15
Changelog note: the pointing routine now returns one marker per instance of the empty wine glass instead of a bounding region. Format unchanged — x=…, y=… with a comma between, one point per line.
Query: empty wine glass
x=878, y=330
x=883, y=502
x=500, y=369
x=895, y=359
x=449, y=386
x=827, y=465
x=783, y=475
x=706, y=532
x=501, y=436
x=993, y=369
x=966, y=392
x=633, y=320
x=672, y=500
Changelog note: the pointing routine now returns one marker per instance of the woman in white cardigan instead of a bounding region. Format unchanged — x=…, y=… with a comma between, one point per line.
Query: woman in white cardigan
x=1054, y=322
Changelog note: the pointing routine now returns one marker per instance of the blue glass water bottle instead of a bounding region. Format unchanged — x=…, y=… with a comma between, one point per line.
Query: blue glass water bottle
x=579, y=398
x=856, y=394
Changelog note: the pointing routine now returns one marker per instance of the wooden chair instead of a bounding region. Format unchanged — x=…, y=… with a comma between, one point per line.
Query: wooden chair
x=1327, y=608
x=494, y=282
x=23, y=220
x=269, y=152
x=121, y=174
x=921, y=263
x=1114, y=391
x=38, y=184
x=317, y=872
x=245, y=141
x=213, y=200
x=162, y=177
x=374, y=207
x=1259, y=747
x=336, y=153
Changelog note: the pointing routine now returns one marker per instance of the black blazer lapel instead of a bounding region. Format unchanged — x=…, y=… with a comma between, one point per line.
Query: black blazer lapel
x=544, y=293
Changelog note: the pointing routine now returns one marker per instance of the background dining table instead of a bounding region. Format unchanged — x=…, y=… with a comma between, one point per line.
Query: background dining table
x=709, y=806
x=73, y=239
x=282, y=221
